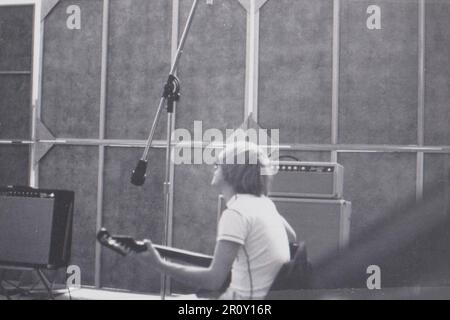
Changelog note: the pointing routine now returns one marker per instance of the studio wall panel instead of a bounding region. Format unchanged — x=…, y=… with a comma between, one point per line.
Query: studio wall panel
x=14, y=165
x=15, y=107
x=378, y=72
x=212, y=67
x=71, y=70
x=437, y=72
x=16, y=36
x=436, y=178
x=376, y=184
x=195, y=208
x=134, y=211
x=436, y=189
x=138, y=65
x=75, y=168
x=295, y=61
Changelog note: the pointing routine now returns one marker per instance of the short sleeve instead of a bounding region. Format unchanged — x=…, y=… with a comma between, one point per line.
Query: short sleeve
x=232, y=227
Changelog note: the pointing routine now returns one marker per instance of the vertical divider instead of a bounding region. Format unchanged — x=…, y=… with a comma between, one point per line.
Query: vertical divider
x=249, y=62
x=101, y=153
x=38, y=50
x=252, y=56
x=421, y=100
x=335, y=78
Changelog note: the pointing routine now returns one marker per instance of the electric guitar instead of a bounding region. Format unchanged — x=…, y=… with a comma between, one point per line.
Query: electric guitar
x=122, y=245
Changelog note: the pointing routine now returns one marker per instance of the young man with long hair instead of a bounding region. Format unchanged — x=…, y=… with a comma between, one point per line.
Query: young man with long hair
x=253, y=238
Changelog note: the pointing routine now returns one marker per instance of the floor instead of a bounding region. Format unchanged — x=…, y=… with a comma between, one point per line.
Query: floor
x=87, y=293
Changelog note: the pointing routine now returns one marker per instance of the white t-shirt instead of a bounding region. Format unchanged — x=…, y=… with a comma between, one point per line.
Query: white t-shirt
x=255, y=223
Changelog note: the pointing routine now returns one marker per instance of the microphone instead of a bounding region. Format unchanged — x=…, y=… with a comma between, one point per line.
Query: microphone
x=138, y=175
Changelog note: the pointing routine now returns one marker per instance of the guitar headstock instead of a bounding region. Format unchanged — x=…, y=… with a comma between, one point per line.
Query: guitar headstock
x=120, y=244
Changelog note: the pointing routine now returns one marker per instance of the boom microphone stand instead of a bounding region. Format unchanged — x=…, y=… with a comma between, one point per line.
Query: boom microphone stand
x=171, y=94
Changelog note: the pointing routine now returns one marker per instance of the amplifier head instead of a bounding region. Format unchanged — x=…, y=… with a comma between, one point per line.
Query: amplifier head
x=296, y=179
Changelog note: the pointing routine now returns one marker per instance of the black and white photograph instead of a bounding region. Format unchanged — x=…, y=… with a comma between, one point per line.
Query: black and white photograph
x=224, y=150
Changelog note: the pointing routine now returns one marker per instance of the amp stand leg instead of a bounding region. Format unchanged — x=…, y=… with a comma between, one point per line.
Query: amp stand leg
x=46, y=283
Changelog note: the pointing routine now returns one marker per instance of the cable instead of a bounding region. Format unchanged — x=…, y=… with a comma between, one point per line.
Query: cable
x=288, y=157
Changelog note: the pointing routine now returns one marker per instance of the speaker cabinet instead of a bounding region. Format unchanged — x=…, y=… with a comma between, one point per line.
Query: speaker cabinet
x=35, y=227
x=324, y=225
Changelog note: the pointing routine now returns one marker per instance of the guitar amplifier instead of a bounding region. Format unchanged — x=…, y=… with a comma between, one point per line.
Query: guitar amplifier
x=323, y=224
x=296, y=179
x=35, y=227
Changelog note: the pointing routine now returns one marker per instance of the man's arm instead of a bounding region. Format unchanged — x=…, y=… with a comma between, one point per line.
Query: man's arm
x=211, y=278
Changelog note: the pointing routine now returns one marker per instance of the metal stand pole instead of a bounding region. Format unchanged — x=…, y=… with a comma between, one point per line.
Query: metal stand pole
x=46, y=283
x=170, y=95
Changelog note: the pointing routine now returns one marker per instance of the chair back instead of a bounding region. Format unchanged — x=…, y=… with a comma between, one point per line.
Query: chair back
x=296, y=273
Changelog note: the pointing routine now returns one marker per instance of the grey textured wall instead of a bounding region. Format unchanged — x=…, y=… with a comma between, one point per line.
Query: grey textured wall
x=212, y=70
x=376, y=184
x=71, y=71
x=16, y=32
x=14, y=165
x=437, y=172
x=437, y=66
x=15, y=107
x=138, y=64
x=16, y=29
x=295, y=69
x=379, y=72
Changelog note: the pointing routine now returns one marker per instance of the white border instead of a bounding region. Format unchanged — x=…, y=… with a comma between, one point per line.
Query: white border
x=20, y=2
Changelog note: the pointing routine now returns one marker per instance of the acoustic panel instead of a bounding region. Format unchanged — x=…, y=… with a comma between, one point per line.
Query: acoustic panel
x=134, y=211
x=71, y=69
x=75, y=168
x=14, y=165
x=436, y=178
x=437, y=72
x=195, y=208
x=16, y=38
x=376, y=184
x=138, y=66
x=15, y=107
x=212, y=67
x=295, y=69
x=378, y=72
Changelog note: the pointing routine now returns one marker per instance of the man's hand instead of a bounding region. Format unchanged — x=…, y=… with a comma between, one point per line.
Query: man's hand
x=152, y=255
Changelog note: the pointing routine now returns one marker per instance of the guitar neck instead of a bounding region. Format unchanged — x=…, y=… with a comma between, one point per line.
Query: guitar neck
x=186, y=256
